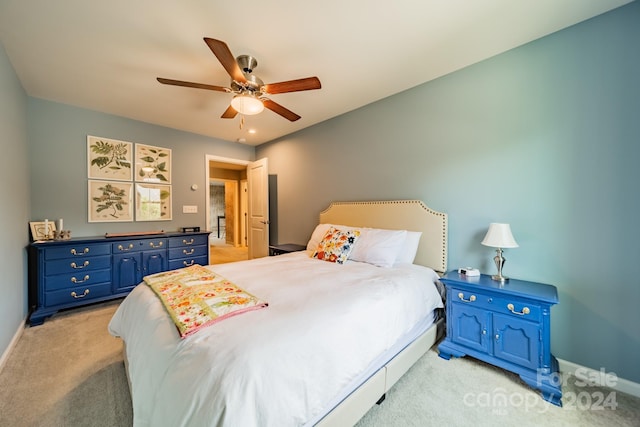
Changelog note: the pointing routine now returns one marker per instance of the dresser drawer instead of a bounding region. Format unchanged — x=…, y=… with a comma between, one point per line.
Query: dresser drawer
x=177, y=242
x=77, y=265
x=76, y=294
x=500, y=304
x=187, y=262
x=72, y=280
x=188, y=252
x=79, y=250
x=138, y=245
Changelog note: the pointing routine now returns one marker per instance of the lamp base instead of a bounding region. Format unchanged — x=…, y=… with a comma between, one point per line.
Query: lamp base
x=500, y=278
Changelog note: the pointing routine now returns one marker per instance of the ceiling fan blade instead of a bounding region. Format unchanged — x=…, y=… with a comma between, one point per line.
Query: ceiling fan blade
x=279, y=109
x=194, y=85
x=226, y=58
x=229, y=113
x=309, y=83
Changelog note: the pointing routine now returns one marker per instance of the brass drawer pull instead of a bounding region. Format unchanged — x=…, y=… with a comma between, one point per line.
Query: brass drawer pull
x=153, y=245
x=74, y=252
x=189, y=264
x=86, y=292
x=184, y=251
x=184, y=242
x=78, y=267
x=128, y=248
x=524, y=311
x=74, y=280
x=472, y=298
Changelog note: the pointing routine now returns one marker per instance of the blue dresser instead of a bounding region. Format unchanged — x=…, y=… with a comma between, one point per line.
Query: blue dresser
x=71, y=273
x=506, y=325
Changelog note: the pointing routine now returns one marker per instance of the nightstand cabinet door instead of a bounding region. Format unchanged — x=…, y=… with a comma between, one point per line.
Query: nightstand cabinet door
x=469, y=327
x=517, y=341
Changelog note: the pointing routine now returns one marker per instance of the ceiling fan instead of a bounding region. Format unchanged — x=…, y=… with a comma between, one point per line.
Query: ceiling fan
x=249, y=90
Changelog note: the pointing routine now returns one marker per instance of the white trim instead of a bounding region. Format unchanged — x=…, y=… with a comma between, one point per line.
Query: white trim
x=598, y=377
x=208, y=158
x=12, y=344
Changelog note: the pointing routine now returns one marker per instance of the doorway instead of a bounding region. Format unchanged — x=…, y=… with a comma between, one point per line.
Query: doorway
x=227, y=210
x=246, y=215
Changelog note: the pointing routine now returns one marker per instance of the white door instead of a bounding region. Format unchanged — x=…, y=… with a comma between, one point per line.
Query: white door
x=258, y=185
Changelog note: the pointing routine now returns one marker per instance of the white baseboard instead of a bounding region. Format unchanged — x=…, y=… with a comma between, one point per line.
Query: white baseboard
x=600, y=378
x=12, y=344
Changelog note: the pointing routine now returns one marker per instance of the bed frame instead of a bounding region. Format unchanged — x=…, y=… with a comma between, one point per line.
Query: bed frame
x=410, y=215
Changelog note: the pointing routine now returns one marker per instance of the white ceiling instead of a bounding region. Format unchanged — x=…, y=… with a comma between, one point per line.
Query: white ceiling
x=106, y=55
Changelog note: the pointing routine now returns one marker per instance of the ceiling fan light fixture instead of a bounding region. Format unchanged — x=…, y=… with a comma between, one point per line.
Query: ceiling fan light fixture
x=247, y=104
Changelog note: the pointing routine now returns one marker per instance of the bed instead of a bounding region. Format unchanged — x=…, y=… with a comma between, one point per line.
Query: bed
x=332, y=341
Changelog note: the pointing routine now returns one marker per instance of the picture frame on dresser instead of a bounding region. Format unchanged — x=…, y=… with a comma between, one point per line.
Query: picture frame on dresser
x=42, y=230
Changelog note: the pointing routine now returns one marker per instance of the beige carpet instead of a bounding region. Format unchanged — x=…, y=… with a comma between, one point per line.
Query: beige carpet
x=224, y=254
x=69, y=372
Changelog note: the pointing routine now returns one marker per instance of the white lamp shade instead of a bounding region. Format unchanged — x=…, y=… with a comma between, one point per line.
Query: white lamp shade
x=499, y=236
x=247, y=104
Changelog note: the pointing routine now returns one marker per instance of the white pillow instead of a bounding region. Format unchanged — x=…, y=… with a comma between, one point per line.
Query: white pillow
x=317, y=235
x=378, y=247
x=410, y=248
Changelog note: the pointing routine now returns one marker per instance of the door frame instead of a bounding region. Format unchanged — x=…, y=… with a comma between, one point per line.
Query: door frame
x=211, y=158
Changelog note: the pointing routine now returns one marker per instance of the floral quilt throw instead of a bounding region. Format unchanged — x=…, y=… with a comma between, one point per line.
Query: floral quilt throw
x=196, y=297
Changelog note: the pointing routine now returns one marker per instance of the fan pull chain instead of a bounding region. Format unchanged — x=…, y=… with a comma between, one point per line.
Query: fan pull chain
x=241, y=122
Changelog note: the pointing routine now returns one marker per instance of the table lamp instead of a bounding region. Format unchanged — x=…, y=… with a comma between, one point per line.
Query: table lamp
x=499, y=236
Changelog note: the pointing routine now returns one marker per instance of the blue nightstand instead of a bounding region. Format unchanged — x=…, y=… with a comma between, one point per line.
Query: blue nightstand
x=506, y=325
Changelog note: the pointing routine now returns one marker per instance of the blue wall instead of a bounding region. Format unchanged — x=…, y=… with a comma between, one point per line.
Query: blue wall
x=545, y=137
x=14, y=197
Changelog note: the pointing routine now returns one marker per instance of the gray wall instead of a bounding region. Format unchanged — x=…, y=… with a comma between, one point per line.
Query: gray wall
x=58, y=135
x=14, y=196
x=545, y=137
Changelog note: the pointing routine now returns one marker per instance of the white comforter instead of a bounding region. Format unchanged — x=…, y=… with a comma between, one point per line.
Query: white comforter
x=277, y=366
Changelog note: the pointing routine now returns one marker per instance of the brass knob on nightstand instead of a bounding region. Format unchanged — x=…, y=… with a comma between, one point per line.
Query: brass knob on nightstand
x=472, y=298
x=524, y=311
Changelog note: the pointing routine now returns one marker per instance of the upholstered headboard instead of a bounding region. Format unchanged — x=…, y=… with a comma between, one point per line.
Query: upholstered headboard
x=412, y=215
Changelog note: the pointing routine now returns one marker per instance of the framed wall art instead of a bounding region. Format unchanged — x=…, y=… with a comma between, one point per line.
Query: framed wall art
x=110, y=201
x=153, y=202
x=109, y=159
x=153, y=164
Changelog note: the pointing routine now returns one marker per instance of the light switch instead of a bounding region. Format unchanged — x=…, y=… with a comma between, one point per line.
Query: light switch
x=189, y=209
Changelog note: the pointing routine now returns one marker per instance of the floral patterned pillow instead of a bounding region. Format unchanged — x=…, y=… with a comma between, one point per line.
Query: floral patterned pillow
x=336, y=245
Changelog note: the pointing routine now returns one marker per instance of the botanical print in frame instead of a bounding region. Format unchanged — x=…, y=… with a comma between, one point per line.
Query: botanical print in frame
x=153, y=164
x=109, y=159
x=153, y=202
x=110, y=201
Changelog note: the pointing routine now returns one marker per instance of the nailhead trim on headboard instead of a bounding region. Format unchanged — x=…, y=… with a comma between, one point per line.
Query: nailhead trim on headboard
x=433, y=225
